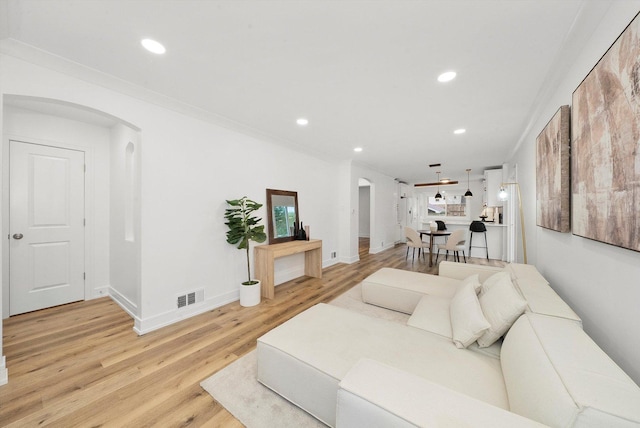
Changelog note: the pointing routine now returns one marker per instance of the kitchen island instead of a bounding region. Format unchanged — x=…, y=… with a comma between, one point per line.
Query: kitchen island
x=496, y=238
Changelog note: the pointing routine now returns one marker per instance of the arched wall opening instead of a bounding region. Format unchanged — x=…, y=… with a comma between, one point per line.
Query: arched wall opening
x=112, y=211
x=366, y=211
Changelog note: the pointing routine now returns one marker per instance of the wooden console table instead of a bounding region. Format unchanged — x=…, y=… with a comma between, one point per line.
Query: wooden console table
x=266, y=254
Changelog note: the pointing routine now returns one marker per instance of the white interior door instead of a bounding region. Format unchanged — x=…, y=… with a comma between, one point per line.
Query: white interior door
x=46, y=223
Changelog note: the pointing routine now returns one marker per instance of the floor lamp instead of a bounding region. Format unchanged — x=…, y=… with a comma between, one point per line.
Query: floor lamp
x=503, y=195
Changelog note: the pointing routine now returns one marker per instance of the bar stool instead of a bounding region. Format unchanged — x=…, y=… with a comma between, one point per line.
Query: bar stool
x=478, y=227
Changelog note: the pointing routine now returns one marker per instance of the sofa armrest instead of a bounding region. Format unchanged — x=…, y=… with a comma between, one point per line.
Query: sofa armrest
x=374, y=395
x=464, y=270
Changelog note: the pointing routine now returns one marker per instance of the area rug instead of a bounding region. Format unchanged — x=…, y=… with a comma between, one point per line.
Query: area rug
x=235, y=387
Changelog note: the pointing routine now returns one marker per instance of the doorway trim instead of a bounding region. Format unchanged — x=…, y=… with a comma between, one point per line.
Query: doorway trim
x=89, y=214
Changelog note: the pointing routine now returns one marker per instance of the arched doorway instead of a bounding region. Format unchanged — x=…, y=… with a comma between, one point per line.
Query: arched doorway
x=365, y=214
x=111, y=182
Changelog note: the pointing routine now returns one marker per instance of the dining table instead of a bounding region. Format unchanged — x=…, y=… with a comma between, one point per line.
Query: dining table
x=432, y=235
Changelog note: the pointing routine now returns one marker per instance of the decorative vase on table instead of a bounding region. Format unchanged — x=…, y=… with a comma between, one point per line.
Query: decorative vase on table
x=250, y=294
x=433, y=226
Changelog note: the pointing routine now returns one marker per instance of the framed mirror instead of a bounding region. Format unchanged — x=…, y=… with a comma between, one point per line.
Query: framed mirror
x=282, y=213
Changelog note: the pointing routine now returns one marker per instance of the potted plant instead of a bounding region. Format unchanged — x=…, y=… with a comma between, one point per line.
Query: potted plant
x=243, y=228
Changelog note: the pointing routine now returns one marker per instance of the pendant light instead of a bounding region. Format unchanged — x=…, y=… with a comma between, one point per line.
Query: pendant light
x=438, y=195
x=468, y=193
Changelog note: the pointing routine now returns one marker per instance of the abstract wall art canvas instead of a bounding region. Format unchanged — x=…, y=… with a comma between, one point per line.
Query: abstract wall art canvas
x=605, y=145
x=553, y=197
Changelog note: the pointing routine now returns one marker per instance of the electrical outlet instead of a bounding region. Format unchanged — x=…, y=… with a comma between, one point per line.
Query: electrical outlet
x=333, y=255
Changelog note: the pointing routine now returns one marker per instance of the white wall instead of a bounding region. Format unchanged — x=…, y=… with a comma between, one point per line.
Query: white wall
x=125, y=218
x=347, y=209
x=384, y=199
x=364, y=214
x=34, y=127
x=4, y=374
x=599, y=281
x=188, y=167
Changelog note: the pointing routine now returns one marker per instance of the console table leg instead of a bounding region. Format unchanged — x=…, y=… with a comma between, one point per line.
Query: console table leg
x=313, y=263
x=265, y=273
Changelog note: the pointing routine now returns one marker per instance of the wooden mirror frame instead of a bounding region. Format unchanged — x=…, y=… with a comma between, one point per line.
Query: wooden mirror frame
x=270, y=216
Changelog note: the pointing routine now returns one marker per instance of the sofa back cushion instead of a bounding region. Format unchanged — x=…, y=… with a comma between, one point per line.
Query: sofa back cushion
x=401, y=290
x=464, y=270
x=540, y=297
x=555, y=374
x=543, y=300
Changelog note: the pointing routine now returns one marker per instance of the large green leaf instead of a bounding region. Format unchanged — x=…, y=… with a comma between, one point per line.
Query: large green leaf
x=243, y=227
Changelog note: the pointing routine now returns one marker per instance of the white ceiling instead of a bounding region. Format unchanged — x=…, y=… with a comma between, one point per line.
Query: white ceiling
x=363, y=72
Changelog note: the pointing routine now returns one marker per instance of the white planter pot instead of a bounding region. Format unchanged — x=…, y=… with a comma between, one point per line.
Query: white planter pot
x=250, y=294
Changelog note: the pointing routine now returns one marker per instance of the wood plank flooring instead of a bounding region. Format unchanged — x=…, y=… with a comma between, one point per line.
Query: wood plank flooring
x=81, y=364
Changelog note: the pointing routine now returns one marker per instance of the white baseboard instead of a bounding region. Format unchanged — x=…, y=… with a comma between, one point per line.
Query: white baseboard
x=126, y=304
x=284, y=275
x=330, y=262
x=99, y=292
x=4, y=373
x=350, y=260
x=144, y=326
x=380, y=249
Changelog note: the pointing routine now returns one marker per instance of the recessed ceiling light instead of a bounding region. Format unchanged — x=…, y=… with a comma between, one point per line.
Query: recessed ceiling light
x=153, y=46
x=302, y=121
x=447, y=76
x=357, y=149
x=460, y=131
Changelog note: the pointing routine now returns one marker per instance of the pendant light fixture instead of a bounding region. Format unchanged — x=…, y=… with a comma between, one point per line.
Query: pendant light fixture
x=438, y=195
x=468, y=193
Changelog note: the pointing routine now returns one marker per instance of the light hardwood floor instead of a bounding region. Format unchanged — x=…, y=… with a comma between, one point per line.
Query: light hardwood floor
x=81, y=364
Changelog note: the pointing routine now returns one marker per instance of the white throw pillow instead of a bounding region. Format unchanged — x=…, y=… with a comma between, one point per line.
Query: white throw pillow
x=493, y=280
x=501, y=305
x=473, y=279
x=467, y=321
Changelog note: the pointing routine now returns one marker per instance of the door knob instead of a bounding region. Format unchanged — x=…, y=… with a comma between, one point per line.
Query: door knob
x=17, y=236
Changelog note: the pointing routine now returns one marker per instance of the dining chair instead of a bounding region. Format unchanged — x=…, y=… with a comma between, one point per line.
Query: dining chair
x=414, y=241
x=441, y=226
x=455, y=243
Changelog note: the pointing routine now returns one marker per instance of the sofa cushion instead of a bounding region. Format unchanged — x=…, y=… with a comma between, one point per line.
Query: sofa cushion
x=461, y=271
x=557, y=375
x=521, y=271
x=474, y=280
x=432, y=314
x=401, y=290
x=501, y=305
x=492, y=280
x=328, y=341
x=467, y=321
x=376, y=395
x=542, y=299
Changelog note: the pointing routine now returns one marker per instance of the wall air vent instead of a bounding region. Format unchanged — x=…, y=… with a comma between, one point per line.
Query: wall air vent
x=182, y=301
x=191, y=298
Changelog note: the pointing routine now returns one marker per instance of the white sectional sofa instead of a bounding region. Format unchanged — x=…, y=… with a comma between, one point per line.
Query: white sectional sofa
x=352, y=370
